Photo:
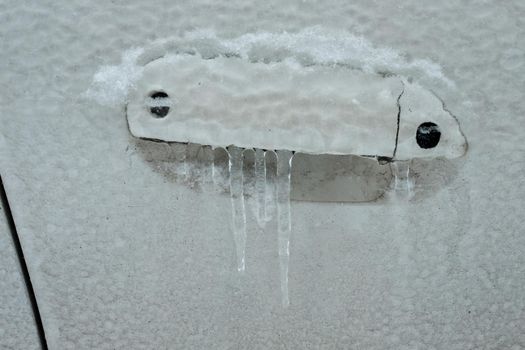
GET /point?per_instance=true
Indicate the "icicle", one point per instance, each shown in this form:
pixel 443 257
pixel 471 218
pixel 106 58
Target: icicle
pixel 193 167
pixel 402 179
pixel 260 186
pixel 238 208
pixel 284 226
pixel 181 168
pixel 219 170
pixel 207 166
pixel 214 173
pixel 270 196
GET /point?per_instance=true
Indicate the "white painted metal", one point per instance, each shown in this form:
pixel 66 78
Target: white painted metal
pixel 17 324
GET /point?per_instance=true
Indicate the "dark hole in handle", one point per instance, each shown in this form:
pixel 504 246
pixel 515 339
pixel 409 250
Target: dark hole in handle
pixel 159 111
pixel 428 135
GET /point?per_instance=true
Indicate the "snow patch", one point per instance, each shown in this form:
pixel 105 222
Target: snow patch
pixel 111 84
pixel 325 46
pixel 314 45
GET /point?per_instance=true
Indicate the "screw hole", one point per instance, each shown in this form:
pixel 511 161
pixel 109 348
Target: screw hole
pixel 428 135
pixel 159 104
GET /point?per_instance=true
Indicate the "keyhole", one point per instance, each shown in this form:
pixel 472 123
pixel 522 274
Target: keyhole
pixel 428 135
pixel 159 106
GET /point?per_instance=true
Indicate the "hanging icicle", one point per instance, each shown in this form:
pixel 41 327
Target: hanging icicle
pixel 238 207
pixel 284 225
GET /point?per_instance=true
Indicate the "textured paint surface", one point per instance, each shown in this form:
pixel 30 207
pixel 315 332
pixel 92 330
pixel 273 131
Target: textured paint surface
pixel 122 258
pixel 17 325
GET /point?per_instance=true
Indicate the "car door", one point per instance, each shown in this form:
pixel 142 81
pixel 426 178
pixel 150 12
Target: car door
pixel 124 252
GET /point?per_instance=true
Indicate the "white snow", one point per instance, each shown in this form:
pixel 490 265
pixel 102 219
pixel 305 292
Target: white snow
pixel 328 46
pixel 313 45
